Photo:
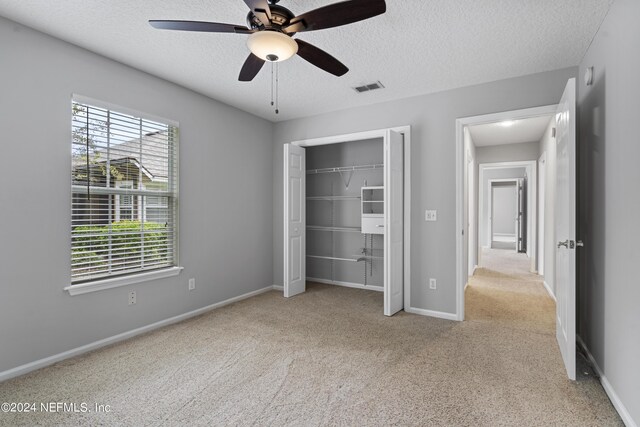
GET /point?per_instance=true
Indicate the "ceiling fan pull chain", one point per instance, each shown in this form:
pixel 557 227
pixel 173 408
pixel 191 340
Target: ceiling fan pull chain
pixel 277 85
pixel 272 84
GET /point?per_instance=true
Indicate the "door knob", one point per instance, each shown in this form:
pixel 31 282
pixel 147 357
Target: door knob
pixel 579 243
pixel 565 244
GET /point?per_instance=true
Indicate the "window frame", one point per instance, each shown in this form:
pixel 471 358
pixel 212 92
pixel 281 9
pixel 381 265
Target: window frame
pixel 101 283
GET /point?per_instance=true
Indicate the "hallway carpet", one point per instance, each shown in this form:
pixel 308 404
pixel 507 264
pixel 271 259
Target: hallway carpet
pixel 329 357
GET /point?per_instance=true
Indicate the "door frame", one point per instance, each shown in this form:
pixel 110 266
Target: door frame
pixel 542 188
pixel 461 229
pixel 380 133
pixel 531 173
pixel 513 181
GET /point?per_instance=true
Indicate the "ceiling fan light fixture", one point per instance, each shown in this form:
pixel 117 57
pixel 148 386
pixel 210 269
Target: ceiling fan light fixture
pixel 272 46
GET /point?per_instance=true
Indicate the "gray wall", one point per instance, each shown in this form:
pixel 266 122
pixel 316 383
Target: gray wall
pixel 609 202
pixel 508 152
pixel 225 198
pixel 504 209
pixel 432 118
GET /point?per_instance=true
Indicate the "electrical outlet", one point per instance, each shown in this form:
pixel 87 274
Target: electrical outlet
pixel 432 283
pixel 192 283
pixel 430 215
pixel 132 297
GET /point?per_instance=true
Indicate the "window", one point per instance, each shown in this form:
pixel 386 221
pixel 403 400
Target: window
pixel 124 193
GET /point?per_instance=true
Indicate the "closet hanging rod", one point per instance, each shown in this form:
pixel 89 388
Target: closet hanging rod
pixel 345 169
pixel 332 258
pixel 334 198
pixel 345 229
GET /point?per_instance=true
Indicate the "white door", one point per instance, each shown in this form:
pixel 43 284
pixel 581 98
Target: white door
pixel 294 220
pixel 393 223
pixel 565 215
pixel 520 219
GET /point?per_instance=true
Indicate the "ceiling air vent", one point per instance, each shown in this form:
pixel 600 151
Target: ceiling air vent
pixel 368 87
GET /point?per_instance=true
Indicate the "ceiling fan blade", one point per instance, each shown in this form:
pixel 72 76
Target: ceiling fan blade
pixel 320 58
pixel 336 14
pixel 207 27
pixel 251 67
pixel 261 9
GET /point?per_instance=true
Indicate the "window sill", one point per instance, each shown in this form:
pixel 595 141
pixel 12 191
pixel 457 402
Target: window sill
pixel 116 282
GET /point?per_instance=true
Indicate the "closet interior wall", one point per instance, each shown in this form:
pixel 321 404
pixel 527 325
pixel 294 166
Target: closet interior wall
pixel 337 250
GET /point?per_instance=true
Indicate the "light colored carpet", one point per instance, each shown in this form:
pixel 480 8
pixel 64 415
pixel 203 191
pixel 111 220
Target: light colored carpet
pixel 328 357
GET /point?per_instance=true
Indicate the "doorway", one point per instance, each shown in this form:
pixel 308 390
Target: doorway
pixel 505 215
pixel 481 188
pixel 383 211
pixel 559 141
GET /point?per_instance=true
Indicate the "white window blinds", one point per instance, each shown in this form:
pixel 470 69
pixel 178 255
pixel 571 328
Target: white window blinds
pixel 124 188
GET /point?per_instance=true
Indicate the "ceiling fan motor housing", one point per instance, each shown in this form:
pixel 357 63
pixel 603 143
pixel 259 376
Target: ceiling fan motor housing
pixel 280 17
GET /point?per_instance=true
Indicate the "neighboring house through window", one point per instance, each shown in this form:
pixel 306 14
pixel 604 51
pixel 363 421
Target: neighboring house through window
pixel 124 192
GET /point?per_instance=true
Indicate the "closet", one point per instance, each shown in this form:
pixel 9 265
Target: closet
pixel 343 212
pixel 344 187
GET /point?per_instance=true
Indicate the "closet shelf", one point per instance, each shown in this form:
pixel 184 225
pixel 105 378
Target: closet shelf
pixel 344 229
pixel 333 258
pixel 334 198
pixel 345 169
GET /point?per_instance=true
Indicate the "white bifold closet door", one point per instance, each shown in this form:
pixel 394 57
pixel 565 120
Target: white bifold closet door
pixel 393 223
pixel 294 220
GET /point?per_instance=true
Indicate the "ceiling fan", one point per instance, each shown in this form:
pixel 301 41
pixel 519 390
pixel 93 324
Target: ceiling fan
pixel 271 27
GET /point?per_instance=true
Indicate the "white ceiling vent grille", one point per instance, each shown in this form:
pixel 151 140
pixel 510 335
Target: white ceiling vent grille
pixel 368 87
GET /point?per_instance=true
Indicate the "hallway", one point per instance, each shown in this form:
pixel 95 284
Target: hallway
pixel 512 306
pixel 504 290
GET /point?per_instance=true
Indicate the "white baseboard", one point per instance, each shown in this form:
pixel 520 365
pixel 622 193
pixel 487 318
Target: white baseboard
pixel 346 284
pixel 608 388
pixel 41 363
pixel 431 313
pixel 549 291
pixel 278 288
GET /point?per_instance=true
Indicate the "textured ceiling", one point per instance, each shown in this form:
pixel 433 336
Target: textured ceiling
pixel 525 130
pixel 417 47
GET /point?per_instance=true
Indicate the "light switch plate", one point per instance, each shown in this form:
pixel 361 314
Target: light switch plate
pixel 430 215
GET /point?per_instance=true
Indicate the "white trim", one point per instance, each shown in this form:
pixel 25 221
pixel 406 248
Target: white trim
pixel 608 388
pixel 459 164
pixel 549 291
pixel 380 133
pixel 41 363
pixel 345 284
pixel 532 202
pixel 338 139
pixel 120 109
pixel 432 313
pixel 115 282
pixel 542 188
pixel 278 288
pixel 490 232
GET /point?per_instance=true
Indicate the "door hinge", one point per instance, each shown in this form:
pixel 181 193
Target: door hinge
pixel 553 132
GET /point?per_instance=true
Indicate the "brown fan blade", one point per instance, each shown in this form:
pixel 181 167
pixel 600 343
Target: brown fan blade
pixel 321 59
pixel 251 67
pixel 207 27
pixel 336 14
pixel 261 9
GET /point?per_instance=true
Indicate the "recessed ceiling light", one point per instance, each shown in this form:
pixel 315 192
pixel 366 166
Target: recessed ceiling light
pixel 507 123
